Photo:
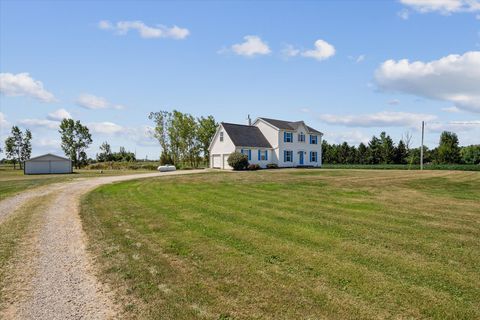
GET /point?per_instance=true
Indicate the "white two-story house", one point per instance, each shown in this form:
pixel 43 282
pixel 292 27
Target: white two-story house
pixel 285 143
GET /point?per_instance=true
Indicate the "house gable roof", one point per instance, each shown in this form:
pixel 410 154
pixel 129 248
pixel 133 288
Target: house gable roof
pixel 246 136
pixel 289 125
pixel 48 155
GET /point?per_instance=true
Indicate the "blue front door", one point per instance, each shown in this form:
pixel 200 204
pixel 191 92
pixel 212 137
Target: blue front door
pixel 300 154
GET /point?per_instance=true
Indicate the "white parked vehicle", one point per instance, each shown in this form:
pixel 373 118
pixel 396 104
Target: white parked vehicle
pixel 166 168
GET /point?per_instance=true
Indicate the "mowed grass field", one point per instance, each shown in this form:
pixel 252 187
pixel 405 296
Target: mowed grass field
pixel 291 244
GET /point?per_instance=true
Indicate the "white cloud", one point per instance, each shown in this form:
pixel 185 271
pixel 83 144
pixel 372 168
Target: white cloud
pixel 323 50
pixel 290 51
pixel 351 137
pixel 305 110
pixel 451 109
pixel 404 14
pixel 455 126
pixel 394 102
pixel 360 58
pixel 252 46
pixel 379 119
pixel 106 127
pixel 59 115
pixel 21 84
pixel 89 101
pixel 158 31
pixel 49 124
pixel 3 121
pixel 43 142
pixel 443 6
pixel 454 78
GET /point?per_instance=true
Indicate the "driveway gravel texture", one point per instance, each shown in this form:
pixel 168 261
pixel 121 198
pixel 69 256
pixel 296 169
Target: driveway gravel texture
pixel 59 280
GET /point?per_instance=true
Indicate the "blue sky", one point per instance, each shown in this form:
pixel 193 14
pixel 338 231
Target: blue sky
pixel 339 66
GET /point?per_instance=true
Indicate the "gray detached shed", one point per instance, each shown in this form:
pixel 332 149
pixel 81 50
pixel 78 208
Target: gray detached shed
pixel 46 164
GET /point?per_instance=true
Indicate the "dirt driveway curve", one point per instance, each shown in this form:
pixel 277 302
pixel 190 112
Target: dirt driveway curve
pixel 62 284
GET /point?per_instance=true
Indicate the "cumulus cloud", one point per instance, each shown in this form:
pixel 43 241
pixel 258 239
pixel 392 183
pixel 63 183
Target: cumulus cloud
pixel 59 115
pixel 451 109
pixel 443 6
pixel 404 14
pixel 379 119
pixel 351 137
pixel 455 126
pixel 108 128
pixel 3 121
pixel 45 123
pixel 21 84
pixel 145 31
pixel 44 142
pixel 323 50
pixel 454 78
pixel 290 51
pixel 252 46
pixel 90 101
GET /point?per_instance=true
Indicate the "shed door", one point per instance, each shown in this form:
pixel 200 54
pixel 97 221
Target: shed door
pixel 38 167
pixel 217 161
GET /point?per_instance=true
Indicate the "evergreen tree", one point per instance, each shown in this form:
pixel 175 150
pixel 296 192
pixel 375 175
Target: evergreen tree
pixel 401 153
pixel 387 148
pixel 374 151
pixel 362 153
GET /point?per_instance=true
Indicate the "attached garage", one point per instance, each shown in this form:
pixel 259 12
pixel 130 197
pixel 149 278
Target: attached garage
pixel 47 164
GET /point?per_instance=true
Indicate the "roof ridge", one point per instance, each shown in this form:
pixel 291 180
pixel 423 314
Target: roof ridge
pixel 237 124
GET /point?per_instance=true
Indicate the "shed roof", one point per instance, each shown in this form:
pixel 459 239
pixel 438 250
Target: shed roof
pixel 39 158
pixel 288 125
pixel 246 136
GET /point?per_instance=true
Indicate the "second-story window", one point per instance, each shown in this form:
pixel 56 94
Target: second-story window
pixel 221 136
pixel 313 139
pixel 301 137
pixel 287 137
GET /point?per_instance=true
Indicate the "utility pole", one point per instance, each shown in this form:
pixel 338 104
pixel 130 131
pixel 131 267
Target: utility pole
pixel 421 148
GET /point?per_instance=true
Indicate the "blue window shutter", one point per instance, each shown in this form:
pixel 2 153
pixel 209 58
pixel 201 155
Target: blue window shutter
pixel 284 136
pixel 284 155
pixel 259 155
pixel 310 152
pixel 266 154
pixel 311 139
pixel 249 154
pixel 241 151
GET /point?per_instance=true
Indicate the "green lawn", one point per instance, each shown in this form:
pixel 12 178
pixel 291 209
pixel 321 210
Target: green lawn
pixel 291 244
pixel 14 181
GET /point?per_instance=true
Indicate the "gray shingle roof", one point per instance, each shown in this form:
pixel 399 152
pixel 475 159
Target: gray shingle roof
pixel 246 136
pixel 288 125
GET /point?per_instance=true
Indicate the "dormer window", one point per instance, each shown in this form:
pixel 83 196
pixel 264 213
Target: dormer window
pixel 221 136
pixel 301 137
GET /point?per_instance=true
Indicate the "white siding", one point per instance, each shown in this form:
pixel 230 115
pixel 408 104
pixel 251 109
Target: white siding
pixel 221 149
pixel 254 159
pixel 297 147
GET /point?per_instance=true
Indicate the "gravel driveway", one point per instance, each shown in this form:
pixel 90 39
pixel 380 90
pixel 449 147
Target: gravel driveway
pixel 62 284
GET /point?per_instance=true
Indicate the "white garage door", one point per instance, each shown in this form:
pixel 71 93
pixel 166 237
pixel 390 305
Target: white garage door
pixel 225 162
pixel 217 161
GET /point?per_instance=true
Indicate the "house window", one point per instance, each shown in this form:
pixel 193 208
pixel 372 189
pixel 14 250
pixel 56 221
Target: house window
pixel 313 156
pixel 288 156
pixel 301 137
pixel 262 155
pixel 221 136
pixel 287 137
pixel 313 139
pixel 248 153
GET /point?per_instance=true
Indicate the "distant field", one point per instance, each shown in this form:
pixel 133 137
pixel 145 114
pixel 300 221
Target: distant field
pixel 14 181
pixel 291 244
pixel 460 167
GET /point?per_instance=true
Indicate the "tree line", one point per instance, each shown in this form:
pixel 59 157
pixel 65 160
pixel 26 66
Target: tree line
pixel 183 138
pixel 382 150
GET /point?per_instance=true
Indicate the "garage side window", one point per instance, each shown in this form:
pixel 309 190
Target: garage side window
pixel 221 136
